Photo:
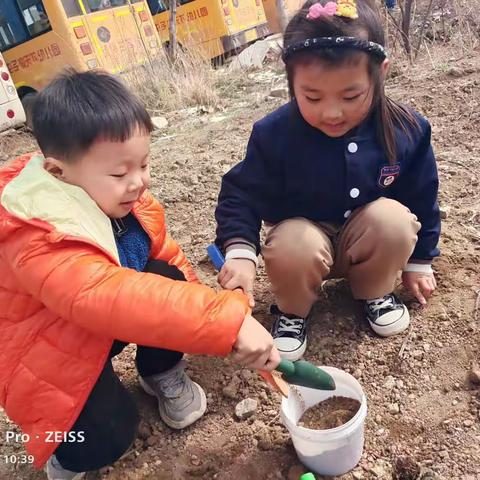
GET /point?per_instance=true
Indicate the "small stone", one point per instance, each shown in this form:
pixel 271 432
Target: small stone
pixel 152 440
pixel 246 408
pixel 279 92
pixel 389 383
pixel 428 475
pixel 406 469
pixel 159 122
pixel 217 119
pixel 144 430
pixel 230 392
pixel 455 72
pixel 400 384
pixel 394 408
pixel 417 354
pixel 295 472
pixel 195 461
pixel 379 471
pixel 468 423
pixel 455 402
pixel 444 454
pixel 426 347
pixel 474 375
pixel 378 418
pixel 444 212
pixel 358 475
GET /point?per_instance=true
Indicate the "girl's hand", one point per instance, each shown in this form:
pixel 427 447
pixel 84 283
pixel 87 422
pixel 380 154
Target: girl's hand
pixel 421 285
pixel 238 273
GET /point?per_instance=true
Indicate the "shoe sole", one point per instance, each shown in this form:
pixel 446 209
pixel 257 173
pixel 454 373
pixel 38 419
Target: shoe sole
pixel 393 328
pixel 295 354
pixel 79 475
pixel 192 418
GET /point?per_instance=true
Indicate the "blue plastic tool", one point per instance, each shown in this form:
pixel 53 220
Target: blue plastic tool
pixel 216 256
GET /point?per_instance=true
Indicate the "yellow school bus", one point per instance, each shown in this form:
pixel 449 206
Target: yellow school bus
pixel 270 7
pixel 213 27
pixel 11 110
pixel 39 38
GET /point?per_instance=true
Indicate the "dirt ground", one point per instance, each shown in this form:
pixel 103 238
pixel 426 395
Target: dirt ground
pixel 424 413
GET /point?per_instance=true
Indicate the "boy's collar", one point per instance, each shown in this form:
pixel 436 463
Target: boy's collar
pixel 35 194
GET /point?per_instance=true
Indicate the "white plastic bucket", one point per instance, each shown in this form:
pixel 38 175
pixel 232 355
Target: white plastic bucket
pixel 328 452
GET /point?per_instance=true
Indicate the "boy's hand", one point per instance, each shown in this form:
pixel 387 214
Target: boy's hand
pixel 238 273
pixel 421 285
pixel 254 347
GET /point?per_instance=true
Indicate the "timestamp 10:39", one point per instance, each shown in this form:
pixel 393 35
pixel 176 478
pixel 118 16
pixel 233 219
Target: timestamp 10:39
pixel 18 458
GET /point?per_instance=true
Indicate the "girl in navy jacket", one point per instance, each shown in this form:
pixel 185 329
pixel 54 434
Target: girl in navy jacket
pixel 342 177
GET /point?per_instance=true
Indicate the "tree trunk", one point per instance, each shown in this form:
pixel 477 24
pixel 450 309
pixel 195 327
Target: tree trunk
pixel 172 28
pixel 406 22
pixel 281 14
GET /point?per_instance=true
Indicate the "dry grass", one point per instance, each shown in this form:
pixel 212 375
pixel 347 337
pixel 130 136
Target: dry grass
pixel 163 85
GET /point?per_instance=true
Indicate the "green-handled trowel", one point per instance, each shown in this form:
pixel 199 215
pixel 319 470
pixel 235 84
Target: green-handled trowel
pixel 305 374
pixel 301 373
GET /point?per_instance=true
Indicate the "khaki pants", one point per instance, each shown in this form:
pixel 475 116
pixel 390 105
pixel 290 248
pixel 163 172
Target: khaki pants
pixel 369 250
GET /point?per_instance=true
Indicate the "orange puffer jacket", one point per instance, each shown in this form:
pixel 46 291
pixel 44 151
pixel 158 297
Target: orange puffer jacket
pixel 64 298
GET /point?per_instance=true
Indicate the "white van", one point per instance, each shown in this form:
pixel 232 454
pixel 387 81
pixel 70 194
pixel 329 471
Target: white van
pixel 11 109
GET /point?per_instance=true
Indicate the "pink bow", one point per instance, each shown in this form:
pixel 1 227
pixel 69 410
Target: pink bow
pixel 317 10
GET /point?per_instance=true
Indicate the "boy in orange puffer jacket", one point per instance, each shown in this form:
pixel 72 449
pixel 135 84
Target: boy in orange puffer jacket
pixel 86 267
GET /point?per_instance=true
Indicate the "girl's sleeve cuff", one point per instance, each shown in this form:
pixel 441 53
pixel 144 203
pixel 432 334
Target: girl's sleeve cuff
pixel 418 267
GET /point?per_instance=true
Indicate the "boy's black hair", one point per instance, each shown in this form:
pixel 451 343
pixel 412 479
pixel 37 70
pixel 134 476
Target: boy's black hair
pixel 78 108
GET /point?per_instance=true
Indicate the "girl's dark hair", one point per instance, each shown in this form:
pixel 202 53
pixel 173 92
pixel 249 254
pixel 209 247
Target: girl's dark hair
pixel 77 109
pixel 389 114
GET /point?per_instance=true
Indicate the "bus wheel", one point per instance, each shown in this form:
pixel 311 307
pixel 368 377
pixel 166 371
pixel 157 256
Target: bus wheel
pixel 27 101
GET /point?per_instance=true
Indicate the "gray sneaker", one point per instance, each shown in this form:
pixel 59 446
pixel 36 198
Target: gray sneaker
pixel 55 471
pixel 180 400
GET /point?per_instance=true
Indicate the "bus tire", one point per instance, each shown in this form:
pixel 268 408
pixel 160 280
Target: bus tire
pixel 28 101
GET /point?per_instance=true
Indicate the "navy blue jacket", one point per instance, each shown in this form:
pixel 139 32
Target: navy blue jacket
pixel 292 169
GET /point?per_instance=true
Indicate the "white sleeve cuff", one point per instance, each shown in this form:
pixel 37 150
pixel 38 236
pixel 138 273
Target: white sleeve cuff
pixel 242 253
pixel 418 267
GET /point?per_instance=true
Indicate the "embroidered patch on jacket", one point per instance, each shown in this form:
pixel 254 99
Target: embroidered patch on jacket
pixel 388 174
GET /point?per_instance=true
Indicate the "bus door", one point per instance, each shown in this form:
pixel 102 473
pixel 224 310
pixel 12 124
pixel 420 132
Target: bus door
pixel 146 27
pixel 11 110
pixel 291 7
pixel 201 22
pixel 115 34
pixel 245 16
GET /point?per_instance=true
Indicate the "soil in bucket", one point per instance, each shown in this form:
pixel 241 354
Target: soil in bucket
pixel 331 413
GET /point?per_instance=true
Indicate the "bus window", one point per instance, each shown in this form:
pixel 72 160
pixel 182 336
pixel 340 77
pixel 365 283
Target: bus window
pixel 21 20
pixel 34 16
pixel 157 6
pixel 71 7
pixel 97 5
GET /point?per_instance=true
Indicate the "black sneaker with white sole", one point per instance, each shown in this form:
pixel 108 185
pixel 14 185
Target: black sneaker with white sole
pixel 387 315
pixel 289 333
